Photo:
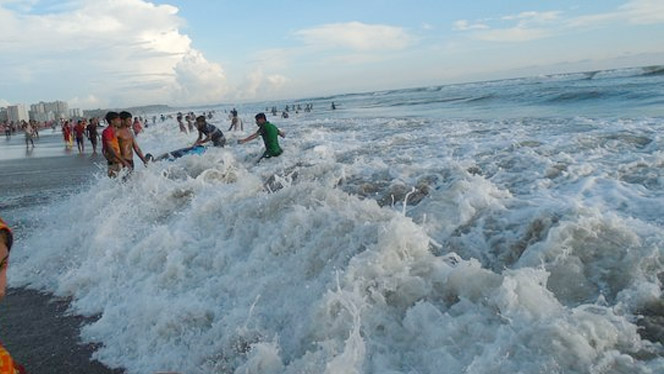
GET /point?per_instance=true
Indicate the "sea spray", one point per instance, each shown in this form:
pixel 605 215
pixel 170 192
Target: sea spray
pixel 532 242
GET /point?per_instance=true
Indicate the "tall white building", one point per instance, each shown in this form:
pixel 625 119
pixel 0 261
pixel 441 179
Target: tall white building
pixel 75 113
pixel 17 113
pixel 49 111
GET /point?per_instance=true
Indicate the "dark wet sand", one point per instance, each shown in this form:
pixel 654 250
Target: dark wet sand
pixel 35 327
pixel 40 335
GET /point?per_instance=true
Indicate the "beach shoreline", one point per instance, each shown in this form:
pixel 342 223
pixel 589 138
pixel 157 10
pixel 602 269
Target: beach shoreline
pixel 40 333
pixel 36 327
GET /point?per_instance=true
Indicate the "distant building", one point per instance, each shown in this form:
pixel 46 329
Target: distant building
pixel 17 113
pixel 49 111
pixel 3 115
pixel 75 113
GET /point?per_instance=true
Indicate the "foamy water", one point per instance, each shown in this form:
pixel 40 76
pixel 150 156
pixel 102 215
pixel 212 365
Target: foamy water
pixel 527 243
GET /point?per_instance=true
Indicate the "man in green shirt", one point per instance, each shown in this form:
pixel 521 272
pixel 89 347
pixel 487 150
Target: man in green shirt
pixel 269 134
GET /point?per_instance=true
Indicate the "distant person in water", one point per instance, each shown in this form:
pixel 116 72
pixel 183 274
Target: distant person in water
pixel 128 144
pixel 181 123
pixel 333 106
pixel 190 118
pixel 269 133
pixel 29 134
pixel 91 132
pixel 235 121
pixel 35 128
pixel 7 364
pixel 66 134
pixel 208 132
pixel 136 126
pixel 79 131
pixel 110 147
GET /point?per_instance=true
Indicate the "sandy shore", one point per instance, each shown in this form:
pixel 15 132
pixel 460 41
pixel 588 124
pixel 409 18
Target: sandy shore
pixel 35 327
pixel 39 334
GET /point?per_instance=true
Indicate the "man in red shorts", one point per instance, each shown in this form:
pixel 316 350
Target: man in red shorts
pixel 111 147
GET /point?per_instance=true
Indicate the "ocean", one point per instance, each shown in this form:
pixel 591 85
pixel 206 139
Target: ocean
pixel 509 226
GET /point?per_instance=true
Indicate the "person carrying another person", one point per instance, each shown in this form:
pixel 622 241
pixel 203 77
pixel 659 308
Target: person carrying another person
pixel 128 144
pixel 110 147
pixel 7 364
pixel 208 132
pixel 269 134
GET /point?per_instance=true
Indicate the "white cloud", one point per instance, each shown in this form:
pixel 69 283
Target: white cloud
pixel 276 81
pixel 356 36
pixel 514 35
pixel 643 11
pixel 532 25
pixel 90 101
pixel 534 17
pixel 356 59
pixel 198 81
pixel 529 26
pixel 464 25
pixel 129 52
pixel 257 82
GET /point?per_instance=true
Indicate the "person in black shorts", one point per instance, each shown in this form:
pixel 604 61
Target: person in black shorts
pixel 91 132
pixel 208 132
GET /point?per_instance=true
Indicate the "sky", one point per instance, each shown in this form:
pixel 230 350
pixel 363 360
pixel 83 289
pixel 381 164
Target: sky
pixel 125 53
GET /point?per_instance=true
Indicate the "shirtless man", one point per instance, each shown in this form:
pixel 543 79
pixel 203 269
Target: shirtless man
pixel 92 133
pixel 128 144
pixel 29 133
pixel 110 145
pixel 79 130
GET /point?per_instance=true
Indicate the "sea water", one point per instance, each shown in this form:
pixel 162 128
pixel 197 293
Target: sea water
pixel 494 227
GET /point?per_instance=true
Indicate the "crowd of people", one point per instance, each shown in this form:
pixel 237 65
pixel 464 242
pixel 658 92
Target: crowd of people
pixel 119 144
pixel 118 138
pixel 288 108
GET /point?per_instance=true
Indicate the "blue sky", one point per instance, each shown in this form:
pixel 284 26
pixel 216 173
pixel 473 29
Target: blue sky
pixel 114 53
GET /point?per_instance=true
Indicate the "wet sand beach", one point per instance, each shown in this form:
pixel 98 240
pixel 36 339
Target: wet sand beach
pixel 39 333
pixel 35 327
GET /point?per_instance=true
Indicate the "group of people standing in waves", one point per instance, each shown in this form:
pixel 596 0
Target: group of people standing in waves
pixel 88 129
pixel 119 144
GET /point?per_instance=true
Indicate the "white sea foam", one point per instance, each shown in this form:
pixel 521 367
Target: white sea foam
pixel 528 246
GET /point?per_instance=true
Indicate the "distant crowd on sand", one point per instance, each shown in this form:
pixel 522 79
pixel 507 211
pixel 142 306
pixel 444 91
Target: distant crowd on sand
pixel 77 130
